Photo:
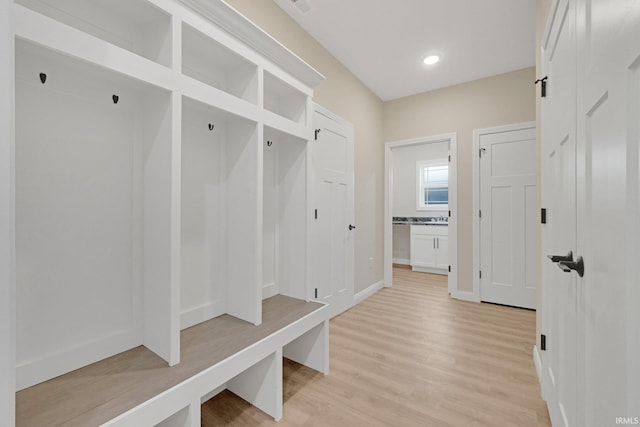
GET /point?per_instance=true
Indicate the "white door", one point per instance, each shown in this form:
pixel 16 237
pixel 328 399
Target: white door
pixel 442 245
pixel 559 232
pixel 591 134
pixel 423 251
pixel 608 220
pixel 333 228
pixel 507 216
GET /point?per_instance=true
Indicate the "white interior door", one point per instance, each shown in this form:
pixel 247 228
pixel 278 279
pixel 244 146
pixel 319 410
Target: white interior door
pixel 507 216
pixel 591 185
pixel 333 227
pixel 559 232
pixel 608 234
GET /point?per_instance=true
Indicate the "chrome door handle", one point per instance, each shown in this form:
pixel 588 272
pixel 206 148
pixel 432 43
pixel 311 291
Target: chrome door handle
pixel 558 258
pixel 577 266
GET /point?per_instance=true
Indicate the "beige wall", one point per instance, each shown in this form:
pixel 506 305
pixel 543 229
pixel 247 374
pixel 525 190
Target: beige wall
pixel 494 101
pixel 343 94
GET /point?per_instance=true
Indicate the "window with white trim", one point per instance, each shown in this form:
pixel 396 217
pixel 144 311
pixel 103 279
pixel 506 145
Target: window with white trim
pixel 433 185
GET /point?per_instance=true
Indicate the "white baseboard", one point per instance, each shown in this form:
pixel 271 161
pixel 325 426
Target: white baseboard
pixel 401 261
pixel 269 290
pixel 429 270
pixel 193 316
pixel 50 366
pixel 537 361
pixel 366 293
pixel 465 296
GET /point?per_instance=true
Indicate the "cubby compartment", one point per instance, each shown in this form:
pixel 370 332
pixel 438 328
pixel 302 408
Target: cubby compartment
pixel 220 210
pixel 284 215
pixel 182 418
pixel 284 100
pixel 210 62
pixel 135 25
pixel 93 215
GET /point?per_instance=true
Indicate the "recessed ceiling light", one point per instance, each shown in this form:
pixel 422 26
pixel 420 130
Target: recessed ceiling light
pixel 431 59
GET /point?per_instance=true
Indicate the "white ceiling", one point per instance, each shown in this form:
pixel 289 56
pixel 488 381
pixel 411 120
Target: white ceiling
pixel 383 42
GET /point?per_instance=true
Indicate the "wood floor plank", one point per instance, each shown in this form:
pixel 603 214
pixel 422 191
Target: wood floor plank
pixel 411 356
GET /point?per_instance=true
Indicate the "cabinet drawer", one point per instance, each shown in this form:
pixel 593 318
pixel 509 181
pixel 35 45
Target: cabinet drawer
pixel 431 230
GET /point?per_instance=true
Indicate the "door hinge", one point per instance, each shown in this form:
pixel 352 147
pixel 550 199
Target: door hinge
pixel 316 293
pixel 543 86
pixel 317 131
pixel 449 158
pixel 449 269
pixel 449 214
pixel 480 273
pixel 316 214
pixel 543 216
pixel 479 213
pixel 543 342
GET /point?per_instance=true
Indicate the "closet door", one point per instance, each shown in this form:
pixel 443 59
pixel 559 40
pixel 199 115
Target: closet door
pixel 559 198
pixel 333 229
pixel 608 110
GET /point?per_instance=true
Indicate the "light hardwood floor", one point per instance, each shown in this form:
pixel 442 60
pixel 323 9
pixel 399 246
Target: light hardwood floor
pixel 411 356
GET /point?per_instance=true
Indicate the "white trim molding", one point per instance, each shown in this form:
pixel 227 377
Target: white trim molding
pixel 537 361
pixel 366 293
pixel 452 139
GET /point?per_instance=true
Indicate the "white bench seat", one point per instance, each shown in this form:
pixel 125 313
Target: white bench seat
pixel 137 388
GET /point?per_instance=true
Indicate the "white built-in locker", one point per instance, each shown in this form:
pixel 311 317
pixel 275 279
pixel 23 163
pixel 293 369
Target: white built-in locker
pixel 161 176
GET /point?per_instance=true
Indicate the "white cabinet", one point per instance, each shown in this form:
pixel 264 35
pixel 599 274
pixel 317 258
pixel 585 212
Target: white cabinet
pixel 146 198
pixel 429 248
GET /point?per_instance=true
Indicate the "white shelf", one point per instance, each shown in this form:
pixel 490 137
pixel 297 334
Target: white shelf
pixel 92 215
pixel 219 215
pixel 283 99
pixel 43 30
pixel 135 25
pixel 210 62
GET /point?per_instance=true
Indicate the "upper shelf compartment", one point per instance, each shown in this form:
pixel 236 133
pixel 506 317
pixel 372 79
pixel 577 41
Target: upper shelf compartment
pixel 134 25
pixel 208 61
pixel 284 100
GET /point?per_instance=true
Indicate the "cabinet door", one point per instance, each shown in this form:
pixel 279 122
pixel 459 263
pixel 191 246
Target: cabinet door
pixel 442 245
pixel 423 251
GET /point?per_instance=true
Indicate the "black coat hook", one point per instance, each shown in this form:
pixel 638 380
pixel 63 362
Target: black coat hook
pixel 269 143
pixel 43 77
pixel 211 126
pixel 115 98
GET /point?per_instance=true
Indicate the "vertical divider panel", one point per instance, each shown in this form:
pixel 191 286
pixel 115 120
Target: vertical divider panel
pixel 244 224
pixel 261 385
pixel 311 349
pixel 159 272
pixel 269 219
pixel 176 29
pixel 308 292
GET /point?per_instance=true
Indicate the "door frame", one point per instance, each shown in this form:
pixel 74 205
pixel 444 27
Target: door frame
pixel 452 139
pixel 477 134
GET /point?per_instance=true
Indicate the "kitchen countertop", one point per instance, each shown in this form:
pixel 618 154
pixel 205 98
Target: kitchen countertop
pixel 401 220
